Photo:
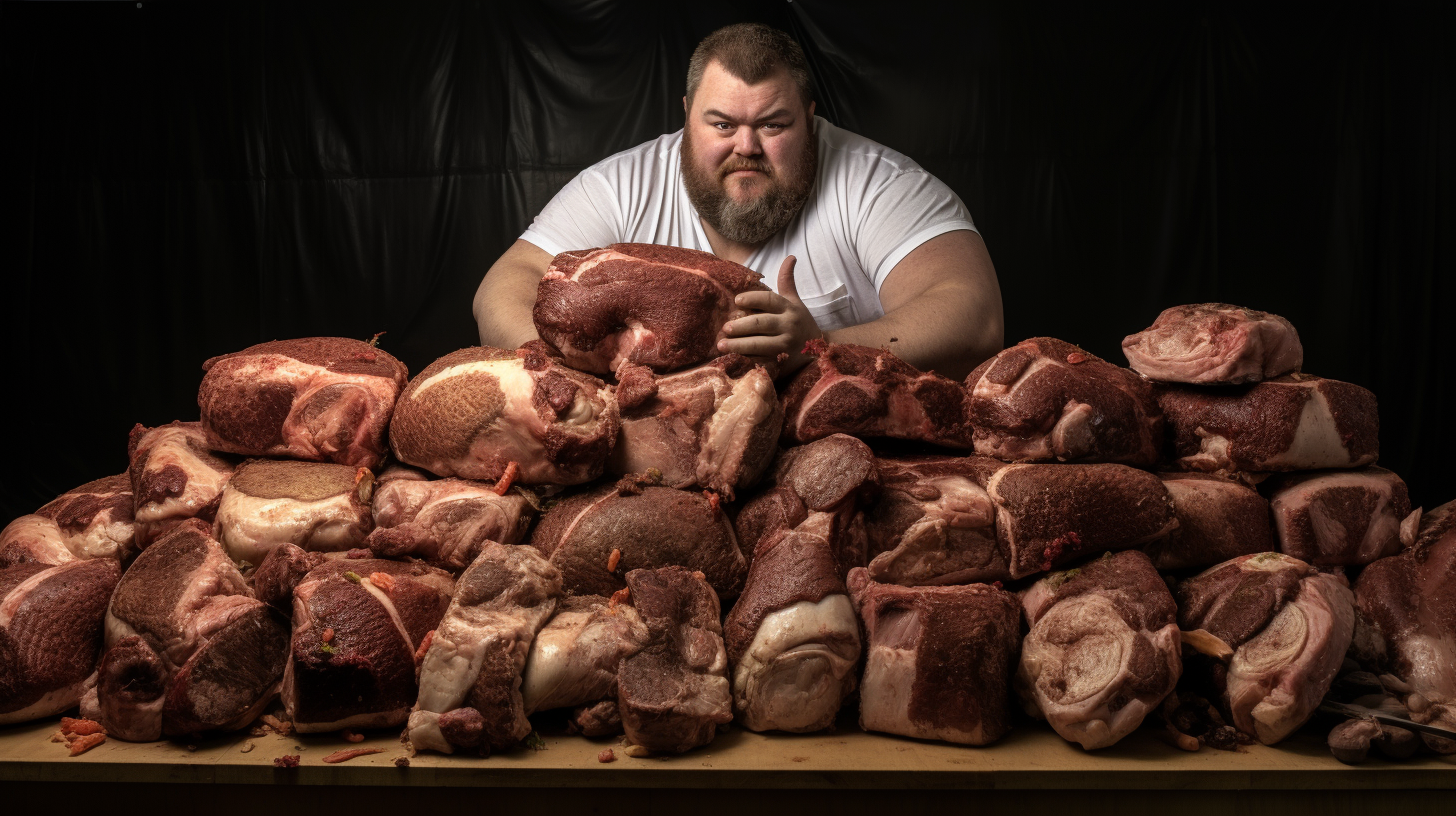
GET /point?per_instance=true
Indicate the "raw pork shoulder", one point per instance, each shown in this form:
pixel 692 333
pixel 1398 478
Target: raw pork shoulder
pixel 444 522
pixel 324 399
pixel 1048 399
pixel 1338 518
pixel 91 521
pixel 659 306
pixel 574 660
pixel 488 413
pixel 308 504
pixel 1214 343
pixel 870 392
pixel 715 426
pixel 174 477
pixel 934 524
pixel 1218 519
pixel 1103 650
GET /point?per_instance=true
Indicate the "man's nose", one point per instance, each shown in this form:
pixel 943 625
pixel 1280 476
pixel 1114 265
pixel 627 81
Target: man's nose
pixel 746 142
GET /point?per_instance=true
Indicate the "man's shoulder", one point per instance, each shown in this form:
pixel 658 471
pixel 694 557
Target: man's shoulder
pixel 849 152
pixel 655 154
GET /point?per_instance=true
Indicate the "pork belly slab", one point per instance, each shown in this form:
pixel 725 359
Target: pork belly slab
pixel 91 521
pixel 1214 343
pixel 1103 649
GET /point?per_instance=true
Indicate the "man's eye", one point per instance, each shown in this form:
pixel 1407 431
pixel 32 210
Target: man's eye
pixel 722 126
pixel 773 126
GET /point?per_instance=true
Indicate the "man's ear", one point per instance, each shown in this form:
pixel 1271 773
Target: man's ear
pixel 811 111
pixel 685 106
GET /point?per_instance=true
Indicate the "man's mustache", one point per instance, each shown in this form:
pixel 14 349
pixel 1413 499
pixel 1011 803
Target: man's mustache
pixel 736 163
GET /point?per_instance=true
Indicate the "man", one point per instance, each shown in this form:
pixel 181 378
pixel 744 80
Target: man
pixel 860 243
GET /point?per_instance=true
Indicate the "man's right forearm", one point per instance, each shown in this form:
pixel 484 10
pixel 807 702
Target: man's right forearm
pixel 506 297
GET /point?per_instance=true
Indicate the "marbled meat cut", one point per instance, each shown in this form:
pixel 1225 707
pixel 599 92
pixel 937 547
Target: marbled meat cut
pixel 934 523
pixel 1294 422
pixel 715 425
pixel 174 477
pixel 445 522
pixel 659 306
pixel 938 660
pixel 870 392
pixel 1103 650
pixel 574 659
pixel 674 693
pixel 1046 399
pixel 1288 626
pixel 51 628
pixel 1051 515
pixel 488 413
pixel 312 505
pixel 792 637
pixel 189 649
pixel 323 399
pixel 1214 343
pixel 1218 519
pixel 1406 622
pixel 90 521
pixel 470 679
pixel 1339 517
pixel 647 527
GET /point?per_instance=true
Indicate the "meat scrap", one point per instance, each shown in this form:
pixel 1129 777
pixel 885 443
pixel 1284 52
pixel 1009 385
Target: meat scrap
pixel 82 744
pixel 350 753
pixel 286 761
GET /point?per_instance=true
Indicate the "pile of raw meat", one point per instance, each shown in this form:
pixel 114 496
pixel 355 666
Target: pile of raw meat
pixel 616 531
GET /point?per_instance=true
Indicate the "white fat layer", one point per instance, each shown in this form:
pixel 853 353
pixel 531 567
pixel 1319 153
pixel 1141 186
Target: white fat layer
pixel 790 678
pixel 1432 659
pixel 1074 434
pixel 1331 538
pixel 1316 441
pixel 511 374
pixel 423 733
pixel 1213 452
pixel 10 604
pixel 169 447
pixel 963 504
pixel 251 527
pixel 50 704
pixel 726 436
pixel 215 595
pixel 40 537
pixel 985 389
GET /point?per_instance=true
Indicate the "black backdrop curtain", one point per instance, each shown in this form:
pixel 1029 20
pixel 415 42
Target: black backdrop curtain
pixel 184 179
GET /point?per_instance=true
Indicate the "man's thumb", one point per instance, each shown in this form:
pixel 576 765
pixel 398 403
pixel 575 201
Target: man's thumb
pixel 787 287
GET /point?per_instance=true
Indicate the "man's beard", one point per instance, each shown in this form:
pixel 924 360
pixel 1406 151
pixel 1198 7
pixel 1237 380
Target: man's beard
pixel 756 220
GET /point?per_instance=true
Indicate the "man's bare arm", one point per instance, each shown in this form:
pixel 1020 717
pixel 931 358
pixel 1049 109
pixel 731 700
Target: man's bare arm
pixel 507 295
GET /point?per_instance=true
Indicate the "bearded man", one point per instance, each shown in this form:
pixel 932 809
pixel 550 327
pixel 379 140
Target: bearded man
pixel 868 248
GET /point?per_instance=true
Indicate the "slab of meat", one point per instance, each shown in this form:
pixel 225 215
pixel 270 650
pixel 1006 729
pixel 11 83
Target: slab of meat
pixel 934 523
pixel 1046 399
pixel 574 659
pixel 1338 518
pixel 1218 519
pixel 189 649
pixel 792 637
pixel 870 392
pixel 1103 649
pixel 323 399
pixel 1288 626
pixel 1406 622
pixel 357 623
pixel 1051 515
pixel 50 633
pixel 673 694
pixel 715 426
pixel 312 505
pixel 939 660
pixel 658 306
pixel 483 413
pixel 1294 422
pixel 90 521
pixel 174 477
pixel 445 522
pixel 1214 343
pixel 470 680
pixel 647 527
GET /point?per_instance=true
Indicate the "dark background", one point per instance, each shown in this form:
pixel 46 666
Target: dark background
pixel 186 179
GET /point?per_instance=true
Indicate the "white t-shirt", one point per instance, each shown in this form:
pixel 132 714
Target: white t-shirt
pixel 869 208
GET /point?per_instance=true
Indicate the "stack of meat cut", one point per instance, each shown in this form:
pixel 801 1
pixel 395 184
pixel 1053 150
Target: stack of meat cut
pixel 614 530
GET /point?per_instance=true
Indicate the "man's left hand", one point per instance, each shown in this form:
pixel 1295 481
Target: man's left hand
pixel 781 324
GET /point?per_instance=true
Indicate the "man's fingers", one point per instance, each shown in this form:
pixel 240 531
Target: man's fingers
pixel 755 346
pixel 761 302
pixel 787 287
pixel 753 324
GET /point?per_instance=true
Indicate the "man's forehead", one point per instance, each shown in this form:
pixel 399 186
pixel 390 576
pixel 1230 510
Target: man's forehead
pixel 727 94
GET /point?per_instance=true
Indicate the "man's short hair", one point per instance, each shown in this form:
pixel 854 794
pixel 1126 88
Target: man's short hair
pixel 751 52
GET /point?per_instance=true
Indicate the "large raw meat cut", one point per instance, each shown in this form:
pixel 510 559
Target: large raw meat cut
pixel 357 625
pixel 574 659
pixel 488 413
pixel 470 679
pixel 870 392
pixel 1338 518
pixel 174 477
pixel 1045 399
pixel 51 629
pixel 1406 622
pixel 1214 343
pixel 1218 519
pixel 1103 650
pixel 312 505
pixel 90 521
pixel 646 527
pixel 792 637
pixel 659 306
pixel 674 693
pixel 1294 422
pixel 324 399
pixel 1288 626
pixel 934 523
pixel 938 660
pixel 715 426
pixel 189 649
pixel 445 522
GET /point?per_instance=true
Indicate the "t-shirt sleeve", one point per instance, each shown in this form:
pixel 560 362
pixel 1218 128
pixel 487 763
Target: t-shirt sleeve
pixel 584 214
pixel 909 209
